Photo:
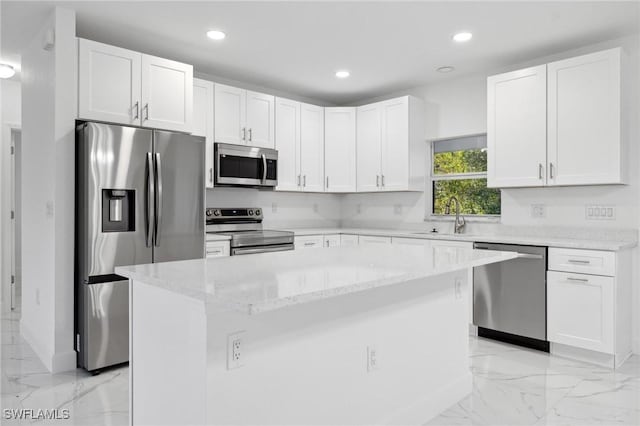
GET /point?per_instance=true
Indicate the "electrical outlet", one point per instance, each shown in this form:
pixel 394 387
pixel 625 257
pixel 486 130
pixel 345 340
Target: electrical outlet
pixel 358 208
pixel 235 350
pixel 397 209
pixel 600 212
pixel 538 211
pixel 372 359
pixel 274 207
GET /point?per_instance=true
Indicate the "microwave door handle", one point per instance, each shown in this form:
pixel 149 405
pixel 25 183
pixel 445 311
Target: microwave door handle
pixel 150 199
pixel 264 168
pixel 158 224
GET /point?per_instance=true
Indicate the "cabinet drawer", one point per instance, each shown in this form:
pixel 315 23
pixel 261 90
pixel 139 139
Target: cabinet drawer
pixel 582 261
pixel 348 240
pixel 217 248
pixel 367 239
pixel 332 240
pixel 309 241
pixel 580 310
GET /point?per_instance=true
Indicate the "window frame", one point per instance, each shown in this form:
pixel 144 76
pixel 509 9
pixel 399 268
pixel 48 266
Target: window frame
pixel 433 177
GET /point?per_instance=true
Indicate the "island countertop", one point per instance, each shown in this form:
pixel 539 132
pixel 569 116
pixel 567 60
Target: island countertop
pixel 264 282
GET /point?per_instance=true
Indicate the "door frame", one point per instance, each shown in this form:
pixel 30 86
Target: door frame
pixel 7 180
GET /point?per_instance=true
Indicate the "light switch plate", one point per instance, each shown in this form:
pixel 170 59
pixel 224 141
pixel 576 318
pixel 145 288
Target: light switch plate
pixel 600 212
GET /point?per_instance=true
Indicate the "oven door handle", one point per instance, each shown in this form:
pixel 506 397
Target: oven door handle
pixel 239 251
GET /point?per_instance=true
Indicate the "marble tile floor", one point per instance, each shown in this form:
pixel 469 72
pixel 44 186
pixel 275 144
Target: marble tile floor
pixel 511 386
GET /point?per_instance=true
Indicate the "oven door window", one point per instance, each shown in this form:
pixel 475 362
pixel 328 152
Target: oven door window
pixel 232 166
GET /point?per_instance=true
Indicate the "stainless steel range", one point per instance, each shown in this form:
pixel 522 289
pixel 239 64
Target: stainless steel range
pixel 244 226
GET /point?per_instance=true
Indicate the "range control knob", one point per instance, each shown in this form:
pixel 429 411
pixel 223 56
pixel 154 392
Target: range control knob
pixel 258 212
pixel 209 212
pixel 216 212
pixel 250 212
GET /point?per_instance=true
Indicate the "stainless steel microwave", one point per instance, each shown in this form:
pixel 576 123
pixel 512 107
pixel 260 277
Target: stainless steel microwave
pixel 239 165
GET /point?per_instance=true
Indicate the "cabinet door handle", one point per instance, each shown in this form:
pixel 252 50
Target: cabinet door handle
pixel 550 170
pixel 378 180
pixel 309 244
pixel 298 180
pixel 581 262
pixel 582 280
pixel 327 182
pixel 137 108
pixel 146 111
pixel 211 175
pixel 540 171
pixel 383 181
pixel 244 133
pixel 250 135
pixel 304 180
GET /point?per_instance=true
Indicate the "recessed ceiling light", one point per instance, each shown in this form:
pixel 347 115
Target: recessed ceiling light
pixel 6 71
pixel 445 69
pixel 216 35
pixel 462 37
pixel 343 74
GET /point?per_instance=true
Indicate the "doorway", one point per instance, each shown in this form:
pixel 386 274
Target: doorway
pixel 16 222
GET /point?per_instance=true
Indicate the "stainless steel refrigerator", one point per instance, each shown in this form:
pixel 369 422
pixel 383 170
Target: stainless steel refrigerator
pixel 139 199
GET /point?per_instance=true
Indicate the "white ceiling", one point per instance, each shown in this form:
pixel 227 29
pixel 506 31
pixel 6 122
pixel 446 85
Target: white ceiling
pixel 297 46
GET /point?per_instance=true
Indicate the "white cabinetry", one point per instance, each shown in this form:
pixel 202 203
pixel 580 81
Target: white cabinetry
pixel 244 117
pixel 122 86
pixel 312 147
pixel 390 146
pixel 309 241
pixel 410 241
pixel 340 149
pixel 332 240
pixel 348 240
pixel 557 124
pixel 588 304
pixel 203 122
pixel 370 239
pixel 300 145
pixel 217 248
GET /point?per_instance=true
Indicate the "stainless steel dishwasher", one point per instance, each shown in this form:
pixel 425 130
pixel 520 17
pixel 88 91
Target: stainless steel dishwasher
pixel 510 298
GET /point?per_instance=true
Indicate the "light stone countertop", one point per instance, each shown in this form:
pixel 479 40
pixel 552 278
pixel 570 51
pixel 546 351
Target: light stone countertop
pixel 564 242
pixel 269 281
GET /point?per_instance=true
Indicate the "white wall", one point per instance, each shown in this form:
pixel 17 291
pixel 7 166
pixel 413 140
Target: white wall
pixel 282 209
pixel 49 105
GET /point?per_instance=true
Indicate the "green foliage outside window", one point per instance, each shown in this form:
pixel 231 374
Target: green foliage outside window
pixel 475 198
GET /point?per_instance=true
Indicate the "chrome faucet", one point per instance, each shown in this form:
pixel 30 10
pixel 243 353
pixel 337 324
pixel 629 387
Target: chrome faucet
pixel 459 224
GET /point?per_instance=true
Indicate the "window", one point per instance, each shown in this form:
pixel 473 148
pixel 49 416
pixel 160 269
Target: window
pixel 460 170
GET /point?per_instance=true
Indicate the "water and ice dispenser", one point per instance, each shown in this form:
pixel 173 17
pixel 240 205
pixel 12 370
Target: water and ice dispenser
pixel 118 210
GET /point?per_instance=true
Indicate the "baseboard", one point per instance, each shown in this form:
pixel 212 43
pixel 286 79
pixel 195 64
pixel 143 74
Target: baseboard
pixel 56 362
pixel 432 405
pixel 584 355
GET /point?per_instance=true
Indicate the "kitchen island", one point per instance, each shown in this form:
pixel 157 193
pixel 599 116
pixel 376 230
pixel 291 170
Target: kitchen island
pixel 348 335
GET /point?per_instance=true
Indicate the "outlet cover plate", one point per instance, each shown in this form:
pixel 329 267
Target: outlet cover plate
pixel 235 350
pixel 538 211
pixel 600 212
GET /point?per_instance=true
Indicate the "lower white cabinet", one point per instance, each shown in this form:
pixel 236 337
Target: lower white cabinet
pixel 309 241
pixel 589 304
pixel 348 240
pixel 580 310
pixel 332 240
pixel 369 239
pixel 217 248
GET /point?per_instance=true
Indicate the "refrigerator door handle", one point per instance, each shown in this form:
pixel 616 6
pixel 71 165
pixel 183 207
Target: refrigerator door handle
pixel 150 199
pixel 158 205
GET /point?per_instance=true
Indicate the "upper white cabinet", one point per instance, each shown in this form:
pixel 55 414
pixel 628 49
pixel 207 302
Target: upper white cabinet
pixel 203 122
pixel 390 146
pixel 556 124
pixel 584 145
pixel 300 145
pixel 312 147
pixel 122 86
pixel 288 144
pixel 340 149
pixel 516 128
pixel 243 117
